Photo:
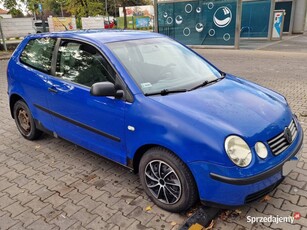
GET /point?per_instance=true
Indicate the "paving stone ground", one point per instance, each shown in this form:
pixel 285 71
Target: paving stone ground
pixel 53 184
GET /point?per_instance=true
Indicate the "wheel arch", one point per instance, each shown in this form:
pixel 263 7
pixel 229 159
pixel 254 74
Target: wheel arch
pixel 142 150
pixel 13 99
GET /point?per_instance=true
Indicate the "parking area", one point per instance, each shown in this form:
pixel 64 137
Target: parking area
pixel 53 184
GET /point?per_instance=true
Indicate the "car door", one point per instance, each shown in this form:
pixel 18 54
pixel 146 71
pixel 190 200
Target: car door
pixel 96 123
pixel 32 72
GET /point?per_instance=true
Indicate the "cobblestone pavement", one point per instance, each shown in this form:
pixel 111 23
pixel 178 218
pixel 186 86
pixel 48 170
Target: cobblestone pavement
pixel 53 184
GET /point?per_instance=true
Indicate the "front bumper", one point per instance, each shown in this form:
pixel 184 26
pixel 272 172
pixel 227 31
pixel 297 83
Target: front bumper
pixel 216 188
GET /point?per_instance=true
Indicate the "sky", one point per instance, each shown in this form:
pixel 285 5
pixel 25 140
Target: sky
pixel 1 6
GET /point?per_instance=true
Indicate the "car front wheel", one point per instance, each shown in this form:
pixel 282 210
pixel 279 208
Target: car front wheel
pixel 25 122
pixel 167 180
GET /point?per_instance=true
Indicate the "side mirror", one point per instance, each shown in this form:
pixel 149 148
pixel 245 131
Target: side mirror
pixel 106 88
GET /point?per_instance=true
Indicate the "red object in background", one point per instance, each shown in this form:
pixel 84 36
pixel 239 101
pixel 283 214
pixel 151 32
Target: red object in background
pixel 108 25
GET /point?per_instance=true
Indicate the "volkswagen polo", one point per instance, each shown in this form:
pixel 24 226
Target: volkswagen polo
pixel 191 131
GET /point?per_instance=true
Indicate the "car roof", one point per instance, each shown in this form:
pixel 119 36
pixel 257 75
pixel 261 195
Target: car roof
pixel 102 35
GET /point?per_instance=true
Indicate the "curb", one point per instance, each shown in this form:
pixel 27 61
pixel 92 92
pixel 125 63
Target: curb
pixel 5 57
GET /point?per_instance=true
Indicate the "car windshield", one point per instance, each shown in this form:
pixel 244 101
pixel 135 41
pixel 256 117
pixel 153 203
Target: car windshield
pixel 163 65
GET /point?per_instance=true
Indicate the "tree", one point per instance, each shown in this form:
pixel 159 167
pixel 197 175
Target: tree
pixel 9 4
pixel 13 6
pixel 51 7
pixel 85 8
pixel 16 13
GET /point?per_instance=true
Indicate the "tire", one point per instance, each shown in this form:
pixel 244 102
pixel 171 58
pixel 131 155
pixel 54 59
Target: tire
pixel 174 188
pixel 25 122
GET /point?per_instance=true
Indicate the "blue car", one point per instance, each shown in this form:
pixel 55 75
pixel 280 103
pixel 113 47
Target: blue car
pixel 191 131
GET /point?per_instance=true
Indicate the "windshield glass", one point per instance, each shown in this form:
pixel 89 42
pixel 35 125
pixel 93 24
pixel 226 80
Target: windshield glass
pixel 162 64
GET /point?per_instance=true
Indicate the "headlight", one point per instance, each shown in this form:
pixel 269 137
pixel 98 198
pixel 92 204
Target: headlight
pixel 238 151
pixel 261 150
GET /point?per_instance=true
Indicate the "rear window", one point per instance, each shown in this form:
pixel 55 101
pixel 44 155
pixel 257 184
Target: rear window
pixel 38 54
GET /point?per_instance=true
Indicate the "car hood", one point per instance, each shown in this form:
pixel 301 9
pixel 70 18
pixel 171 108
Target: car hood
pixel 232 106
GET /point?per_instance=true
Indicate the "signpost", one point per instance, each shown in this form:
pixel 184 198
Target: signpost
pixel 40 7
pixel 278 24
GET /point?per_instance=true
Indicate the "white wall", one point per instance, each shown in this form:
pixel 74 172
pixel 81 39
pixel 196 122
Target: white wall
pixel 5 16
pixel 299 16
pixel 16 27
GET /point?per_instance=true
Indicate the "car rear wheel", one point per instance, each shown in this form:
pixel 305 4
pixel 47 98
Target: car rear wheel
pixel 25 122
pixel 167 180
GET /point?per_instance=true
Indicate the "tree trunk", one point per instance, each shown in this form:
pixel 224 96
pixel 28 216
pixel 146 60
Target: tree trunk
pixel 125 17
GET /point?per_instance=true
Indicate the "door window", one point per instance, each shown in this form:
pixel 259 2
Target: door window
pixel 38 54
pixel 83 64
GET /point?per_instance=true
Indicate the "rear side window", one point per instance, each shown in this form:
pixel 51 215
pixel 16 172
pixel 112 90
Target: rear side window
pixel 38 54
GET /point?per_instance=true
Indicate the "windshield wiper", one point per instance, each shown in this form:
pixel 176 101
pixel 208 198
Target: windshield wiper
pixel 223 75
pixel 164 92
pixel 207 82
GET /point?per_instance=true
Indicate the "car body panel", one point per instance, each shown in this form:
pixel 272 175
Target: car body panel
pixel 30 84
pixel 102 113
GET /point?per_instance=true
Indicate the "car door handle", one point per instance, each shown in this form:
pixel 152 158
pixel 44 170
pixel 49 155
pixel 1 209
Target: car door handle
pixel 52 89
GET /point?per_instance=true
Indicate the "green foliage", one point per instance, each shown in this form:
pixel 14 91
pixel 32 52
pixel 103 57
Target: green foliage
pixel 78 23
pixel 85 8
pixel 9 4
pixel 53 7
pixel 16 13
pixel 79 8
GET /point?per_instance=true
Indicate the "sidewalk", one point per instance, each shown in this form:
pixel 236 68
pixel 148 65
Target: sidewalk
pixel 290 43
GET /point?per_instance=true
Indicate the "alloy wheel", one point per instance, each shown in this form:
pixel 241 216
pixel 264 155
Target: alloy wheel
pixel 162 181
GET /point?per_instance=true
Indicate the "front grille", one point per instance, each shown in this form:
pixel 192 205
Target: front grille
pixel 260 194
pixel 281 142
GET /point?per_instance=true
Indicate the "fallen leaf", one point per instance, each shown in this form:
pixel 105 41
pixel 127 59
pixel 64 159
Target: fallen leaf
pixel 266 198
pixel 189 214
pixel 210 225
pixel 224 215
pixel 148 208
pixel 173 223
pixel 196 226
pixel 238 211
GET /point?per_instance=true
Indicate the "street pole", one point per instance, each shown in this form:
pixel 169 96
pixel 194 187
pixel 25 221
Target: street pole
pixel 40 7
pixel 62 10
pixel 156 16
pixel 106 3
pixel 3 39
pixel 238 24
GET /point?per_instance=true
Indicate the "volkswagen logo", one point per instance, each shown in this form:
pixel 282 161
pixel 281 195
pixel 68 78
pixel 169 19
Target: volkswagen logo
pixel 222 17
pixel 288 135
